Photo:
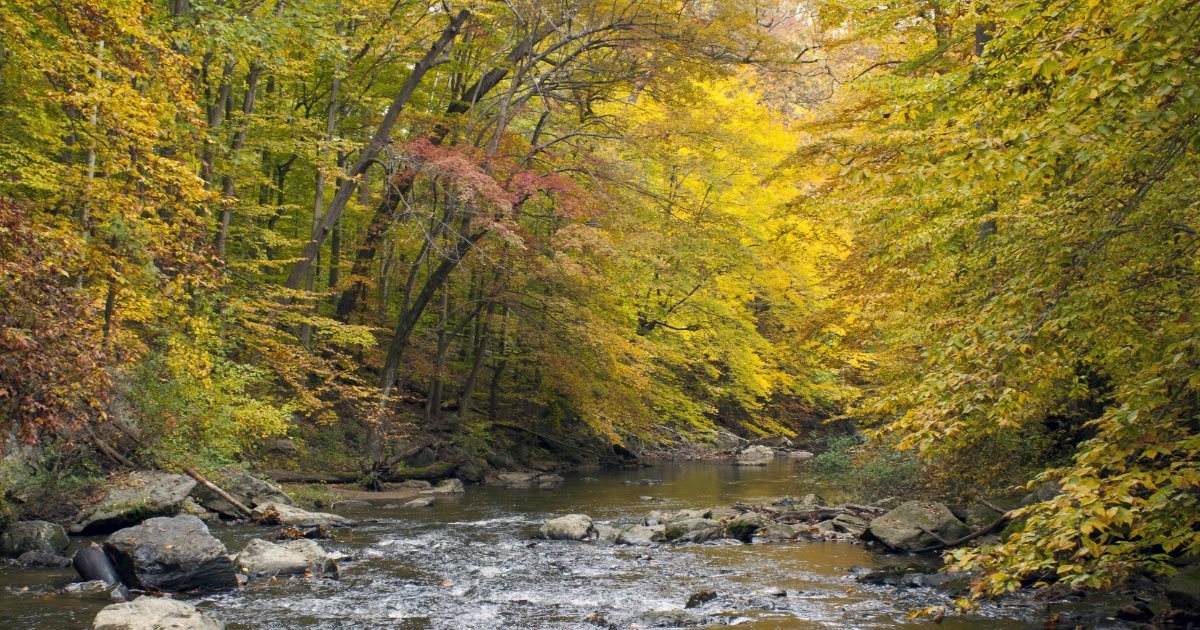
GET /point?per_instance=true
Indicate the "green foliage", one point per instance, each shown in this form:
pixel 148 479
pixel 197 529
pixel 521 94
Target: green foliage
pixel 866 471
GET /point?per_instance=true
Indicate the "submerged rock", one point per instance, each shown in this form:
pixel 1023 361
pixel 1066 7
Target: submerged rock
pixel 349 504
pixel 905 528
pixel 281 514
pixel 699 598
pixel 423 502
pixel 154 613
pixel 96 589
pixel 296 557
pixel 39 536
pixel 171 554
pixel 757 455
pixel 569 527
pixel 133 498
pixel 43 560
pixel 800 456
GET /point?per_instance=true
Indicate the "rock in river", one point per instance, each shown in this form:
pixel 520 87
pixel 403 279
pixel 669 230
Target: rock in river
pixel 139 495
pixel 280 514
pixel 905 528
pixel 246 488
pixel 744 526
pixel 171 554
pixel 43 560
pixel 154 613
pixel 569 527
pixel 641 535
pixel 757 455
pixel 1183 591
pixel 295 557
pixel 39 536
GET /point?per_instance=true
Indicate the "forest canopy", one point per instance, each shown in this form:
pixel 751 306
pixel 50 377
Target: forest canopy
pixel 967 228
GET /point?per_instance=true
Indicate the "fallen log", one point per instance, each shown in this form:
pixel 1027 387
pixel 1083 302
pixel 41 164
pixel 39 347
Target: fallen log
pixel 221 493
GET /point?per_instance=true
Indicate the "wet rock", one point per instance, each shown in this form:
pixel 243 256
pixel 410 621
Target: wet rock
pixel 723 514
pixel 1183 591
pixel 657 517
pixel 775 532
pixel 38 536
pixel 92 589
pixel 773 591
pixel 606 533
pixel 806 502
pixel 909 578
pixel 43 560
pixel 569 527
pixel 800 456
pixel 154 613
pixel 744 526
pixel 349 504
pixel 692 530
pixel 173 554
pixel 423 502
pixel 446 486
pixel 416 484
pixel 684 515
pixel 280 514
pixel 91 563
pixel 905 527
pixel 296 557
pixel 645 482
pixel 133 498
pixel 850 524
pixel 246 488
pixel 528 479
pixel 1137 611
pixel 320 532
pixel 699 598
pixel 757 455
pixel 641 535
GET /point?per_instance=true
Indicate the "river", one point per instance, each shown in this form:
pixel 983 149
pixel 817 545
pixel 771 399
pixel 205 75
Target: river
pixel 472 561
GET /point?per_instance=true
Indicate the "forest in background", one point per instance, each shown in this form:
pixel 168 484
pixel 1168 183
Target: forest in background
pixel 968 229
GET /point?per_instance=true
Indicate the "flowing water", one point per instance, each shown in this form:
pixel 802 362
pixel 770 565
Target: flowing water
pixel 472 561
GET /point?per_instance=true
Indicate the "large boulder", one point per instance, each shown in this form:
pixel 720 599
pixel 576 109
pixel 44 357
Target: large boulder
pixel 1183 591
pixel 524 480
pixel 907 527
pixel 743 527
pixel 171 554
pixel 246 488
pixel 757 455
pixel 295 557
pixel 154 613
pixel 641 535
pixel 569 527
pixel 39 536
pixel 727 441
pixel 283 514
pixel 133 498
pixel 692 530
pixel 446 486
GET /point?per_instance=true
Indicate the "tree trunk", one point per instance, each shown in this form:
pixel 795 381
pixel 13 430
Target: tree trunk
pixel 372 149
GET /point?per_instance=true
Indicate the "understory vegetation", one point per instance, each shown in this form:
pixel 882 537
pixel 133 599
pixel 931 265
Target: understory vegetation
pixel 384 238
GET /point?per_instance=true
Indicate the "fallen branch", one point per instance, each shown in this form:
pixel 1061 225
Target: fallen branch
pixel 945 544
pixel 221 493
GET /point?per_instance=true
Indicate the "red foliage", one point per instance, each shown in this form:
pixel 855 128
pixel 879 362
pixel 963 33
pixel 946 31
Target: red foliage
pixel 51 358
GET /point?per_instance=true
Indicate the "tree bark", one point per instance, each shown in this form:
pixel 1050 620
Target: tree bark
pixel 372 149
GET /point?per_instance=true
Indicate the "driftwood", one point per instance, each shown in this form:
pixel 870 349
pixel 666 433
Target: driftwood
pixel 221 493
